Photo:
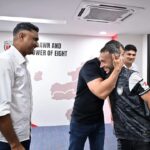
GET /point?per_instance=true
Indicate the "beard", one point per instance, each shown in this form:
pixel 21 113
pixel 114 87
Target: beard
pixel 109 70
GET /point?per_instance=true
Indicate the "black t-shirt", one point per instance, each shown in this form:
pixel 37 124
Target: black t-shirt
pixel 88 108
pixel 130 112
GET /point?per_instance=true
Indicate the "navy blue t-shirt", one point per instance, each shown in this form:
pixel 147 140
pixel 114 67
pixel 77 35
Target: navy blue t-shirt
pixel 88 108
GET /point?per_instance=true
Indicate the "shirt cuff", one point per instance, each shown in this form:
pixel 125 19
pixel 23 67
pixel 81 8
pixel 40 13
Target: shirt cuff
pixel 4 109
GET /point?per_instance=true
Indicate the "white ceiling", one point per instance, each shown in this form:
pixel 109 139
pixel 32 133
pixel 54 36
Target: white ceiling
pixel 139 23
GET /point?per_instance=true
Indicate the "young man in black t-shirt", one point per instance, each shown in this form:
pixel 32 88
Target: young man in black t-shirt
pixel 87 116
pixel 130 103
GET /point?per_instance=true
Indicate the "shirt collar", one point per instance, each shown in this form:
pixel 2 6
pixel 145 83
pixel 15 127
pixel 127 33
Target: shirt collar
pixel 18 56
pixel 127 67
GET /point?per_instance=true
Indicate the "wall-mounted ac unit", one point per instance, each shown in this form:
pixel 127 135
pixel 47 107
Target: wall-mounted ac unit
pixel 104 12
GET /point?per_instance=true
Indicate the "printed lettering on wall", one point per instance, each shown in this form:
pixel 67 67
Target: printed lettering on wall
pixel 50 49
pixel 44 49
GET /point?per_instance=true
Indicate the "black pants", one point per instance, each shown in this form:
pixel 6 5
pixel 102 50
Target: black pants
pixel 6 146
pixel 132 145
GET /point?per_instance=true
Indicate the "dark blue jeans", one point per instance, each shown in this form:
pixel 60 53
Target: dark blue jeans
pixel 5 146
pixel 80 132
pixel 132 145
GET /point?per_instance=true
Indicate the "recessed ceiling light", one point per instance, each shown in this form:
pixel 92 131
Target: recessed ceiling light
pixel 103 33
pixel 34 20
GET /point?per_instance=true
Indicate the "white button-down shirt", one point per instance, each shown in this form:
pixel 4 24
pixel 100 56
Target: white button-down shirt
pixel 15 92
pixel 133 67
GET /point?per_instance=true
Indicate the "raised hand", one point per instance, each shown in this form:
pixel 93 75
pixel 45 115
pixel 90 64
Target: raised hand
pixel 117 62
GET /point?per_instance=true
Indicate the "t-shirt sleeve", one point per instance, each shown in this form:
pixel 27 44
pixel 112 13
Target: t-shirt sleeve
pixel 137 84
pixel 91 71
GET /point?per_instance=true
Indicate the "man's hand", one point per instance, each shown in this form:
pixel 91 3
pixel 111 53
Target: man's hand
pixel 17 147
pixel 117 62
pixel 6 127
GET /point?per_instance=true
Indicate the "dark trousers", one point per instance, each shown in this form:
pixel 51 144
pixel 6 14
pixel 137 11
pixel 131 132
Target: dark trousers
pixel 80 132
pixel 132 145
pixel 6 146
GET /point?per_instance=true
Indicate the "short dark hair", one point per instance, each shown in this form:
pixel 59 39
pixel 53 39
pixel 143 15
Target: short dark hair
pixel 130 47
pixel 25 26
pixel 117 44
pixel 112 47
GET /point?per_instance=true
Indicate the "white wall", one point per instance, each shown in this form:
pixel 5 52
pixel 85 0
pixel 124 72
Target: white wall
pixel 55 70
pixel 54 78
pixel 144 58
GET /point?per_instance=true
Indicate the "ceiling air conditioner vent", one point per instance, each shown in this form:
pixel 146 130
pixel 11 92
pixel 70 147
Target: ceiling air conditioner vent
pixel 106 13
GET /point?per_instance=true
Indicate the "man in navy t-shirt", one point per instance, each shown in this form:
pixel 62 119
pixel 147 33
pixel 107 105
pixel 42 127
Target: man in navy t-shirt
pixel 87 116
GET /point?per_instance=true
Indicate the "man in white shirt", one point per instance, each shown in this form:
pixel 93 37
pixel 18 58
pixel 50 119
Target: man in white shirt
pixel 129 56
pixel 15 89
